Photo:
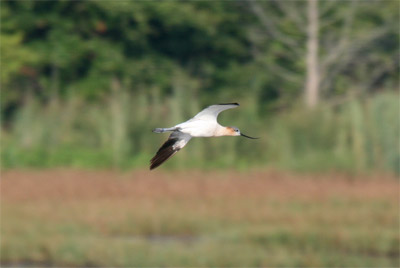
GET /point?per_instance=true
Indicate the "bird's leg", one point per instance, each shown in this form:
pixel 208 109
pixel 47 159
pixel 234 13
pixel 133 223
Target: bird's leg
pixel 161 130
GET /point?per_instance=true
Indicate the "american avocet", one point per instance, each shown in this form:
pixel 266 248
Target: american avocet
pixel 204 124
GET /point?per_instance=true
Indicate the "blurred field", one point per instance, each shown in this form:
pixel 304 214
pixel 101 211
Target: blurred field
pixel 141 218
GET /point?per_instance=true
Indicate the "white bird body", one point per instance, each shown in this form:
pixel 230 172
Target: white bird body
pixel 198 127
pixel 204 124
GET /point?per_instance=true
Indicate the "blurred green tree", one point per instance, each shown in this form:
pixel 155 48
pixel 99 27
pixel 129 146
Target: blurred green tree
pixel 344 46
pixel 79 47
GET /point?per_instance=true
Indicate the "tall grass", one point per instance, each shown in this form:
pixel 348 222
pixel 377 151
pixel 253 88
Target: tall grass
pixel 357 136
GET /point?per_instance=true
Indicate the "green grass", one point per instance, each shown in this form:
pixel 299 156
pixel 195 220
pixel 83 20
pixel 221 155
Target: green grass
pixel 357 136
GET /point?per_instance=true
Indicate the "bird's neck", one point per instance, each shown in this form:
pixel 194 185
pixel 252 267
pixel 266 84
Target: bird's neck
pixel 222 131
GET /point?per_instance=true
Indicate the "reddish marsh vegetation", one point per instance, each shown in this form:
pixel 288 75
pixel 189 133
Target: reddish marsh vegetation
pixel 141 218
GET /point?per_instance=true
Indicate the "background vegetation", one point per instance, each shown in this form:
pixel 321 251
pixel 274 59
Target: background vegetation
pixel 84 82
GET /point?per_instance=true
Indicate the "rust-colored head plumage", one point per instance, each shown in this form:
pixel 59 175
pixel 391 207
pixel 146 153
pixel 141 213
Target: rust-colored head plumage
pixel 232 131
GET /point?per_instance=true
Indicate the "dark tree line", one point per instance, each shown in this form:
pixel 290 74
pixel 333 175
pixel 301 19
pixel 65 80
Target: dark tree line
pixel 59 48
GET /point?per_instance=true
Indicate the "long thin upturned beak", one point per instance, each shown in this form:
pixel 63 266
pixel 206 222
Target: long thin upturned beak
pixel 241 134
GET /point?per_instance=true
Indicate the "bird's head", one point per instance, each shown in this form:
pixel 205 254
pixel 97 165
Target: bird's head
pixel 234 131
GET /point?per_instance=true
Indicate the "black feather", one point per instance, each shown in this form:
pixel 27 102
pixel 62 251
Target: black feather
pixel 234 103
pixel 165 152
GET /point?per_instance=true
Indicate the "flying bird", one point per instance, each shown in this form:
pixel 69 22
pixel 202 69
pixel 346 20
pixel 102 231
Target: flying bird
pixel 204 124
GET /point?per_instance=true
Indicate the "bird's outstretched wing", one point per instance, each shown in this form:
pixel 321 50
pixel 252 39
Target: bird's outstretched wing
pixel 176 141
pixel 211 112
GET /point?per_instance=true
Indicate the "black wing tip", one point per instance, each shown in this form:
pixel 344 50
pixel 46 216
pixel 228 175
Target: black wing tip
pixel 159 159
pixel 233 103
pixel 153 167
pixel 163 154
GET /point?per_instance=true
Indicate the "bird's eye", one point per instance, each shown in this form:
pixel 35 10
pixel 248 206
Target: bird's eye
pixel 237 130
